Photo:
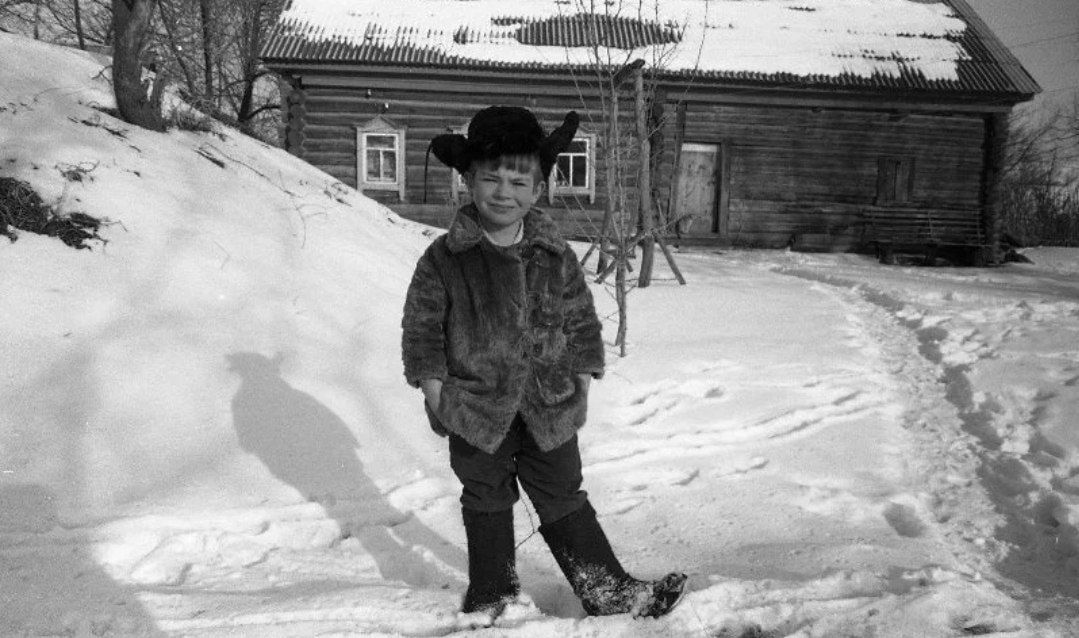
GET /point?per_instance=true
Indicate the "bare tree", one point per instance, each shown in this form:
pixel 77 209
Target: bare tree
pixel 626 127
pixel 138 101
pixel 79 34
pixel 178 48
pixel 79 22
pixel 85 22
pixel 208 49
pixel 1040 178
pixel 206 23
pixel 214 48
pixel 257 17
pixel 17 15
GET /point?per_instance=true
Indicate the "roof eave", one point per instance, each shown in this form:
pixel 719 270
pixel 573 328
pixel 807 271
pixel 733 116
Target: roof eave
pixel 702 83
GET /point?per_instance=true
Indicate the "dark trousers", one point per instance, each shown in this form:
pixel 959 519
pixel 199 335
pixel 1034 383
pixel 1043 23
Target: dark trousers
pixel 551 479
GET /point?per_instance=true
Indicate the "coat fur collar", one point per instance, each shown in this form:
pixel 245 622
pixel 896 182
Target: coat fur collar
pixel 539 230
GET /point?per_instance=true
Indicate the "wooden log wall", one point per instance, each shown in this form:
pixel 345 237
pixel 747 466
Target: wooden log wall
pixel 331 115
pixel 802 170
pixel 791 169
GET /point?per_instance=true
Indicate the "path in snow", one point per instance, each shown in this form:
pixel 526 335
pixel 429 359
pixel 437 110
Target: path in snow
pixel 779 420
pixel 1003 345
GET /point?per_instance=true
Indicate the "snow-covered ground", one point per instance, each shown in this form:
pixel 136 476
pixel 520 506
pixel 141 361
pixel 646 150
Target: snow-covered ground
pixel 204 430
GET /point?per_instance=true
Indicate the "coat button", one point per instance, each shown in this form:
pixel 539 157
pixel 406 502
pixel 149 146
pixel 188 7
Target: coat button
pixel 537 349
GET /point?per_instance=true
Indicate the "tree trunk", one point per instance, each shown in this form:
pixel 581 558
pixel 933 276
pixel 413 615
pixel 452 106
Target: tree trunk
pixel 205 19
pixel 168 22
pixel 137 104
pixel 609 162
pixel 644 184
pixel 78 25
pixel 620 293
pixel 251 34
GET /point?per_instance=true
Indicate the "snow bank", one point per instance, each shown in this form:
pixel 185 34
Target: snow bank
pixel 226 260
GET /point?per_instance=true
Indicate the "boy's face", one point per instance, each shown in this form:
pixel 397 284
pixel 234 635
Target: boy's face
pixel 503 194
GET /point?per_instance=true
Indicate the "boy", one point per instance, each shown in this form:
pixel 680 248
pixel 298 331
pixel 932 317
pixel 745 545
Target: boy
pixel 501 334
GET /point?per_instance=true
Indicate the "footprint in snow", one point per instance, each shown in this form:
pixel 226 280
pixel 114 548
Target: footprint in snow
pixel 671 477
pixel 670 397
pixel 739 467
pixel 633 496
pixel 623 505
pixel 904 520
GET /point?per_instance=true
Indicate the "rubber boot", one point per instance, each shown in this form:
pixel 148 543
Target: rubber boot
pixel 585 557
pixel 492 566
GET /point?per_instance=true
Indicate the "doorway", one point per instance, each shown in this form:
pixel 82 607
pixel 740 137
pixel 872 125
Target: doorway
pixel 699 208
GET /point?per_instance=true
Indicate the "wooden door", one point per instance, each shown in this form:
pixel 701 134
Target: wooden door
pixel 696 208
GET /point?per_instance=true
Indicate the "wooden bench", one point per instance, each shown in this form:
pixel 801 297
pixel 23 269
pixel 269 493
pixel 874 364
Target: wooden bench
pixel 932 233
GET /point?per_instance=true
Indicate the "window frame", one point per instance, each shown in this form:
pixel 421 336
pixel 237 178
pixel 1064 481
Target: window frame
pixel 892 188
pixel 458 187
pixel 589 189
pixel 382 127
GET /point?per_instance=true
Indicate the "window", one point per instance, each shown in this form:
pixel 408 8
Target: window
pixel 571 170
pixel 574 172
pixel 895 180
pixel 380 156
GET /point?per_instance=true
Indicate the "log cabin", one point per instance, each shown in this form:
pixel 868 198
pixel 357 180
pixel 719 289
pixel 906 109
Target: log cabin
pixel 815 124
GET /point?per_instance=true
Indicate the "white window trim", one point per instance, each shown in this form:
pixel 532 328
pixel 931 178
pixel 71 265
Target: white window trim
pixel 380 126
pixel 589 188
pixel 457 180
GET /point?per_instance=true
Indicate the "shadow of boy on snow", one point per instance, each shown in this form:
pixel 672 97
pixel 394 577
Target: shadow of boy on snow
pixel 304 444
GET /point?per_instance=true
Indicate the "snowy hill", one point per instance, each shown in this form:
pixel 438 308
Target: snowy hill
pixel 204 430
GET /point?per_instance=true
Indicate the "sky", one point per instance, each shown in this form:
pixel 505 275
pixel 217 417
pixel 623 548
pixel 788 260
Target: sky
pixel 1044 35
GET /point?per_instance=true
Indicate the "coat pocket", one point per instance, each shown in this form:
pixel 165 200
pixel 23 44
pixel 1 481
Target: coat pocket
pixel 433 420
pixel 554 381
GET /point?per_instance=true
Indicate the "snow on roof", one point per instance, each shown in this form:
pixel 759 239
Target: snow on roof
pixel 831 38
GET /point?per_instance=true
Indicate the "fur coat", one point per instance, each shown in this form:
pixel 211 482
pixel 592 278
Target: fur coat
pixel 507 330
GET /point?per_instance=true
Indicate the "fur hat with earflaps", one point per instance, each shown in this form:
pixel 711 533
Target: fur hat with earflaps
pixel 504 130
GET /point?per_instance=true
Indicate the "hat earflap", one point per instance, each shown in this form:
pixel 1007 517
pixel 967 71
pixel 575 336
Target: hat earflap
pixel 560 138
pixel 452 150
pixel 557 142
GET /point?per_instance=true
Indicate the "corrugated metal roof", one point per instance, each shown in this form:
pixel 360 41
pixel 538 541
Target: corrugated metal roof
pixel 982 66
pixel 991 64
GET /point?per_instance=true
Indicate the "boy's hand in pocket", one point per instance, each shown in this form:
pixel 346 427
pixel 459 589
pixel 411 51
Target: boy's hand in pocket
pixel 432 393
pixel 586 382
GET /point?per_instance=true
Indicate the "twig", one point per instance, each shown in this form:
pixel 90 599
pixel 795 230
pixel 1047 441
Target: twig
pixel 228 256
pixel 248 167
pixel 203 152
